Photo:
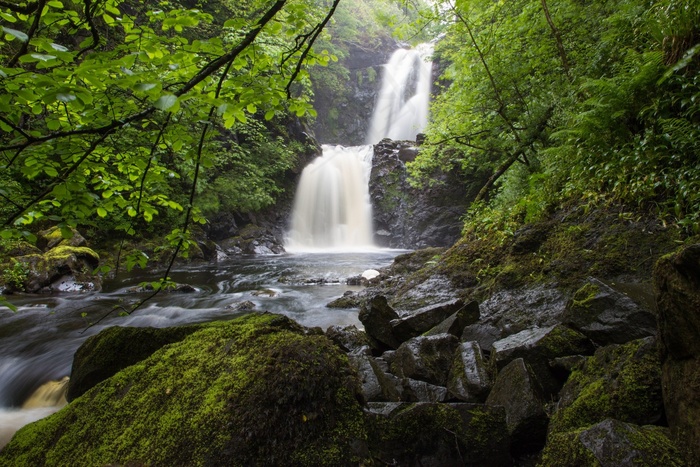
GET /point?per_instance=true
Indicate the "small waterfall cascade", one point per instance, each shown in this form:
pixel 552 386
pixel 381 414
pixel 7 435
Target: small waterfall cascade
pixel 332 209
pixel 50 394
pixel 401 110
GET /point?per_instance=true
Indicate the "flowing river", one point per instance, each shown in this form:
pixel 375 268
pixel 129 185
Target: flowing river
pixel 37 342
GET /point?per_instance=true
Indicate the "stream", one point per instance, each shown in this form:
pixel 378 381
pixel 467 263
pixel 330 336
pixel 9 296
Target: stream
pixel 37 342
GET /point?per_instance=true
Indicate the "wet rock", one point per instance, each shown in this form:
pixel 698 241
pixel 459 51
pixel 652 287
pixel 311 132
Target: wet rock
pixel 53 237
pixel 515 310
pixel 607 316
pixel 529 238
pixel 62 263
pixel 518 390
pixel 612 443
pixel 539 345
pixel 427 358
pixel 348 300
pixel 256 390
pixel 429 434
pixel 252 240
pixel 423 319
pixel 348 338
pixel 376 316
pixel 677 279
pixel 484 334
pixel 455 323
pixel 241 306
pixel 469 378
pixel 618 381
pixel 377 385
pixel 354 280
pixel 435 289
pixel 264 293
pixel 414 390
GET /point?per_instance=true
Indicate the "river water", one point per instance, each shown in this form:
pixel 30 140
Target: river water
pixel 37 342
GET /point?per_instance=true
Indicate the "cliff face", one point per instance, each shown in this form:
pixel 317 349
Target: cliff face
pixel 345 94
pixel 408 217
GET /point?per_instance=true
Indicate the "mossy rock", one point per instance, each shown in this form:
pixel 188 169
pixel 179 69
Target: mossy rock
pixel 115 348
pixel 619 381
pixel 54 236
pixel 438 434
pixel 256 390
pixel 611 443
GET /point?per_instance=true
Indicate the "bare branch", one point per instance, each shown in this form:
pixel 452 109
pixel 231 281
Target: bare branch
pixel 32 30
pixel 25 10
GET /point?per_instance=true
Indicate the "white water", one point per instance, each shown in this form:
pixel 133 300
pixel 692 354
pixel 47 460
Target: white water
pixel 401 111
pixel 332 209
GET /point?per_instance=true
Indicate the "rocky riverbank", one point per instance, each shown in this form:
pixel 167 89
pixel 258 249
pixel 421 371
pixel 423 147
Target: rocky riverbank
pixel 462 361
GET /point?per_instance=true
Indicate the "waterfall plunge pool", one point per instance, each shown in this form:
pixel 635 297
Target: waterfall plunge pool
pixel 37 342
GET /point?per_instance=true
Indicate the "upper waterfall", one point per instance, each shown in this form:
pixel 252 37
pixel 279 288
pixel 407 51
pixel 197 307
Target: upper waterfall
pixel 401 110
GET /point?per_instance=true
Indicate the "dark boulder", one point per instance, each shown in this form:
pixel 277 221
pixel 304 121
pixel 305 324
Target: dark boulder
pixel 348 300
pixel 619 381
pixel 518 390
pixel 376 316
pixel 607 316
pixel 377 384
pixel 469 379
pixel 482 333
pixel 64 267
pixel 348 338
pixel 423 319
pixel 677 279
pixel 455 323
pixel 415 390
pixel 438 435
pixel 427 358
pixel 612 443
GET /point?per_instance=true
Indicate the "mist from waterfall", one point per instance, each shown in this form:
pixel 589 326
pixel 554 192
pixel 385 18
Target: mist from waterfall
pixel 332 209
pixel 401 110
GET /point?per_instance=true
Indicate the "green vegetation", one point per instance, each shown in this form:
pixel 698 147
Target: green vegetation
pixel 594 102
pixel 116 115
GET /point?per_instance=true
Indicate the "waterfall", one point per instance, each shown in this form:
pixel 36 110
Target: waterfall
pixel 332 209
pixel 401 111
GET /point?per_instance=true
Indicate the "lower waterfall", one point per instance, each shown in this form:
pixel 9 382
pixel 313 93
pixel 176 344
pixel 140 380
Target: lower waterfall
pixel 332 209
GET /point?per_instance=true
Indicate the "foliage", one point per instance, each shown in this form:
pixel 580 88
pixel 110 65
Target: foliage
pixel 111 110
pixel 569 100
pixel 15 276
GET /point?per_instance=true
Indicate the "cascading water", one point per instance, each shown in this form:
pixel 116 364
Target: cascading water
pixel 332 210
pixel 401 111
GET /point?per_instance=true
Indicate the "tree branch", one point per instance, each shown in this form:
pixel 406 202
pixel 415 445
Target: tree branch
pixel 32 29
pixel 25 10
pixel 93 28
pixel 557 37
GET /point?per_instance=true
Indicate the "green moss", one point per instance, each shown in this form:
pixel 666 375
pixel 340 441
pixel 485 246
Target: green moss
pixel 585 294
pixel 63 252
pixel 252 391
pixel 621 382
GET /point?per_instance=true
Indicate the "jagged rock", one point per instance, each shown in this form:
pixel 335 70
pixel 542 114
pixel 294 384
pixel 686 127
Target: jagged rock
pixel 518 390
pixel 257 390
pixel 607 316
pixel 515 310
pixel 348 338
pixel 423 319
pixel 612 443
pixel 677 279
pixel 427 358
pixel 414 390
pixel 377 386
pixel 484 334
pixel 376 316
pixel 538 346
pixel 252 240
pixel 429 434
pixel 435 289
pixel 53 237
pixel 469 379
pixel 618 381
pixel 246 305
pixel 455 323
pixel 348 300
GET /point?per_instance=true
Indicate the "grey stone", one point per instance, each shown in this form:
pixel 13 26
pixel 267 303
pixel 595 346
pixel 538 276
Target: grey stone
pixel 469 379
pixel 427 358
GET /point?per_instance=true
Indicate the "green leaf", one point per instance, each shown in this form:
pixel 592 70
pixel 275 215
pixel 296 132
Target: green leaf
pixel 16 34
pixel 166 102
pixel 251 108
pixel 102 212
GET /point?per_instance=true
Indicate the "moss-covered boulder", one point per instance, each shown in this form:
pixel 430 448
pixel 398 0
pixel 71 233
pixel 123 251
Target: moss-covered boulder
pixel 612 443
pixel 677 280
pixel 257 390
pixel 63 267
pixel 618 381
pixel 115 348
pixel 430 434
